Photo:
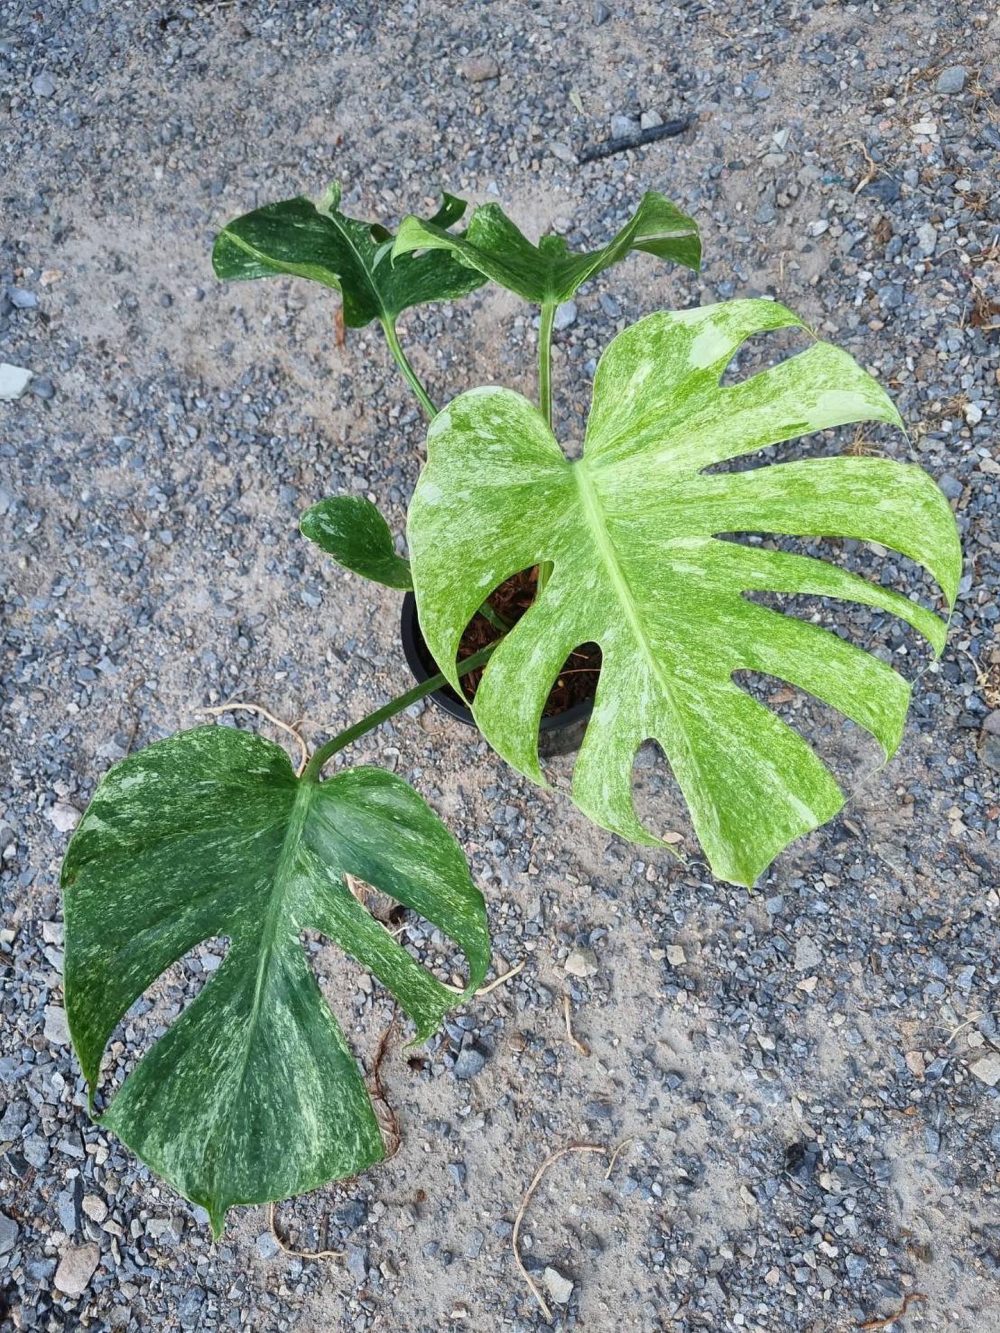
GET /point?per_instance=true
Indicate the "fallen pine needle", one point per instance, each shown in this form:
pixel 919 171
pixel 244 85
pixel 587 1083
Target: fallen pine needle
pixel 884 1323
pixel 515 1234
pixel 236 706
pixel 573 1041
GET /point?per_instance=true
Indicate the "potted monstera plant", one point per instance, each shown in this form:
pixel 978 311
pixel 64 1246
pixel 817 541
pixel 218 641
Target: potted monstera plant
pixel 621 555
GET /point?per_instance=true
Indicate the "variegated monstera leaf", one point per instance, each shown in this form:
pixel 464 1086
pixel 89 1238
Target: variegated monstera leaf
pixel 252 1094
pixel 632 533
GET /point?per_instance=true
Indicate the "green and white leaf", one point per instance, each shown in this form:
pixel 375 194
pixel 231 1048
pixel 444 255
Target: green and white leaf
pixel 353 531
pixel 252 1094
pixel 548 273
pixel 631 531
pixel 319 242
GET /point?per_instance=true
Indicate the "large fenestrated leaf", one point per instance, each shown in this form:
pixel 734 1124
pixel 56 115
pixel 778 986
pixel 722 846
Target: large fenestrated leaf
pixel 252 1094
pixel 548 273
pixel 319 242
pixel 630 530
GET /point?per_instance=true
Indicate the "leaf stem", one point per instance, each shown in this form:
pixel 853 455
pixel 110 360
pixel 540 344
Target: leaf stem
pixel 545 361
pixel 412 378
pixel 344 738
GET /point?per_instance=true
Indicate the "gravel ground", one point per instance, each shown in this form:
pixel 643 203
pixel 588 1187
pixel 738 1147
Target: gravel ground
pixel 806 1078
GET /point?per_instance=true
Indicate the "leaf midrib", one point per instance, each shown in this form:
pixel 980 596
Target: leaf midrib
pixel 282 877
pixel 594 515
pixel 597 524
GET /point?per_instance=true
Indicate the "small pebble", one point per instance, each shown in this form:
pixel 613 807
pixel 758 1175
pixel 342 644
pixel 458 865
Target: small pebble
pixel 952 79
pixel 477 69
pixel 76 1267
pixel 559 1288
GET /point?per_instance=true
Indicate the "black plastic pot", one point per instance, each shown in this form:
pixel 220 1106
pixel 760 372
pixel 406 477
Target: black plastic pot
pixel 420 662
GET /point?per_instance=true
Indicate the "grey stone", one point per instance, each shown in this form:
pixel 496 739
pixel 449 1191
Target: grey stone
pixel 808 954
pixel 601 13
pixel 22 299
pixel 357 1263
pixel 623 127
pixel 950 485
pixel 470 1062
pixel 9 1232
pixel 267 1246
pixel 565 316
pixel 43 85
pixel 649 120
pixel 952 79
pixel 926 239
pixel 477 69
pixel 989 751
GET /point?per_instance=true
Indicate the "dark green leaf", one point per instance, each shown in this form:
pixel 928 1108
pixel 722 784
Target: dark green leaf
pixel 318 242
pixel 548 273
pixel 252 1094
pixel 351 529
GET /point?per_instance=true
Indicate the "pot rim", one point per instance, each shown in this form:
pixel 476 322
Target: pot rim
pixel 409 627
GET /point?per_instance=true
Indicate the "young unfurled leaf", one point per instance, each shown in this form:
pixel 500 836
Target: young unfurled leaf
pixel 252 1094
pixel 317 241
pixel 548 273
pixel 351 529
pixel 630 531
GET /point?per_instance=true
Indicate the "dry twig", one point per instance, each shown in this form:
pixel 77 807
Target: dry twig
pixel 614 1156
pixel 884 1323
pixel 573 1041
pixel 490 985
pixel 515 1234
pixel 290 1249
pixel 237 706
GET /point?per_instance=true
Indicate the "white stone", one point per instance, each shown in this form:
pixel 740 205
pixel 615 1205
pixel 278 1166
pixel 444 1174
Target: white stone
pixel 581 963
pixel 987 1070
pixel 807 954
pixel 973 414
pixel 64 817
pixel 559 1288
pixel 56 1028
pixel 926 239
pixel 95 1208
pixel 649 120
pixel 13 381
pixel 76 1268
pixel 676 956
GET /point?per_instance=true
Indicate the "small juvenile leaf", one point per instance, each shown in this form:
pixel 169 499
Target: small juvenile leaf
pixel 548 273
pixel 319 242
pixel 630 530
pixel 351 529
pixel 252 1094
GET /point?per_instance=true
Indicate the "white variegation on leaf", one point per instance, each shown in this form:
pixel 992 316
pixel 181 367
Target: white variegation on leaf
pixel 252 1094
pixel 632 529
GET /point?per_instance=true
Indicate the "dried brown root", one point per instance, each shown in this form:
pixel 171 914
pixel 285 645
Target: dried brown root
pixel 237 706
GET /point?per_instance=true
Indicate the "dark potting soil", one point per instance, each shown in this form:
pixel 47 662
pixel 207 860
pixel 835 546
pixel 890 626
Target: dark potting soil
pixel 576 682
